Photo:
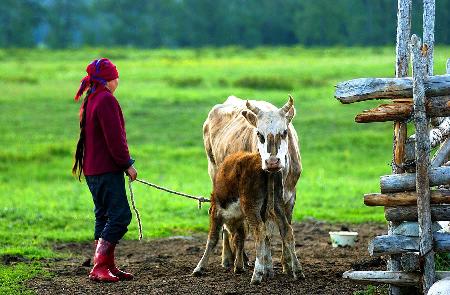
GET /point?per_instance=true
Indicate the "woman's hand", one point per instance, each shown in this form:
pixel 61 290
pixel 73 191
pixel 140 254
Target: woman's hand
pixel 131 172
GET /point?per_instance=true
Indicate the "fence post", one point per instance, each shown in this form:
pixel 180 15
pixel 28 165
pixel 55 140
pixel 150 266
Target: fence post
pixel 400 128
pixel 422 164
pixel 428 33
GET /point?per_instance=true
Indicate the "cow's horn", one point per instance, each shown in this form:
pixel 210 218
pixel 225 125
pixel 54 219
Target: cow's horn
pixel 252 108
pixel 288 105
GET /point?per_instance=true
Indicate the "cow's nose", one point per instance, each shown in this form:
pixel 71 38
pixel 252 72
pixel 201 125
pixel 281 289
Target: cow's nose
pixel 273 163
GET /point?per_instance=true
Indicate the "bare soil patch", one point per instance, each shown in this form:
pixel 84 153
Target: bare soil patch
pixel 164 266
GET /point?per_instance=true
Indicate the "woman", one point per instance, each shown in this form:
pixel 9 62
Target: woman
pixel 102 156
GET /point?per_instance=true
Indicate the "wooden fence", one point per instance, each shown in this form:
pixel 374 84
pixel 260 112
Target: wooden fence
pixel 410 193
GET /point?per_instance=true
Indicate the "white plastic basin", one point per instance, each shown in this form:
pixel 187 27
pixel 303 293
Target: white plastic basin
pixel 343 238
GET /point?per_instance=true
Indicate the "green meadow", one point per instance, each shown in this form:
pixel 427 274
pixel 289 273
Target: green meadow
pixel 165 96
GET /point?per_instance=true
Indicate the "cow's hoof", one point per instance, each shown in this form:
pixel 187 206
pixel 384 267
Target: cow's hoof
pixel 256 278
pixel 300 275
pixel 238 270
pixel 198 272
pixel 270 273
pixel 227 264
pixel 255 281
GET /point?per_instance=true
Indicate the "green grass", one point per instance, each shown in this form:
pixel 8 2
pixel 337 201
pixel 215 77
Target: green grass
pixel 165 96
pixel 11 278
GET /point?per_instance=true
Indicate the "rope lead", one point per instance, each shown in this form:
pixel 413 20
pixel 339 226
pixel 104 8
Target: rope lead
pixel 135 209
pixel 199 199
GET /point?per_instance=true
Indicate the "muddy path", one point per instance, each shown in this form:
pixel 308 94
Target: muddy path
pixel 164 266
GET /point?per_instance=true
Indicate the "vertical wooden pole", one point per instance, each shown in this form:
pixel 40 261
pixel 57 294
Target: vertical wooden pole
pixel 448 66
pixel 422 164
pixel 423 148
pixel 401 70
pixel 428 32
pixel 400 128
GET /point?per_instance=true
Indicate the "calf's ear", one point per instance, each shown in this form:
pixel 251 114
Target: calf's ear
pixel 250 117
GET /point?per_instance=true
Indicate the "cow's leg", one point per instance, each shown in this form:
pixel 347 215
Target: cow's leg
pixel 238 243
pixel 296 266
pixel 268 259
pixel 290 261
pixel 289 208
pixel 246 259
pixel 227 253
pixel 213 237
pixel 286 259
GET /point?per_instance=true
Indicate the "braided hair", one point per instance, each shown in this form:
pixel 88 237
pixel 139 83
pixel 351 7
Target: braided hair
pixel 77 168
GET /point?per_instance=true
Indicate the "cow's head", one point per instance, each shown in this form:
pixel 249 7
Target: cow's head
pixel 272 132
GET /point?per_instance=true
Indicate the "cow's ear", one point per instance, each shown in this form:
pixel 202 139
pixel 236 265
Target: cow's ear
pixel 250 117
pixel 290 114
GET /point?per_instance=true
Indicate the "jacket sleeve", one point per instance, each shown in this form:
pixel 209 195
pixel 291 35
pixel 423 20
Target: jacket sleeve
pixel 111 121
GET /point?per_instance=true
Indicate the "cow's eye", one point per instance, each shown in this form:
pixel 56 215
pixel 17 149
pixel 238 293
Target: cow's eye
pixel 260 137
pixel 285 132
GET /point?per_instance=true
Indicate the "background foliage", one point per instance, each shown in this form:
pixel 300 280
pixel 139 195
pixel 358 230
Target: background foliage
pixel 195 23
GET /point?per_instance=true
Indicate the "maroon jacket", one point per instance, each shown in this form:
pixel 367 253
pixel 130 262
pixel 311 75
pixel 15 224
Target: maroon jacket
pixel 105 145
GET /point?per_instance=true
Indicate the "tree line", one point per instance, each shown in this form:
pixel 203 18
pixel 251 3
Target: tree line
pixel 196 23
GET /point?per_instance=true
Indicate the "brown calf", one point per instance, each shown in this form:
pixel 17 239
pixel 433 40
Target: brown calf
pixel 244 193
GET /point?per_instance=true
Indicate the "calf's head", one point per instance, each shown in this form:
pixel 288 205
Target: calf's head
pixel 272 131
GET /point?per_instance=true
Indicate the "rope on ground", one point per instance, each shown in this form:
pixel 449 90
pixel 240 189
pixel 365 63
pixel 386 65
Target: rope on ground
pixel 199 199
pixel 135 209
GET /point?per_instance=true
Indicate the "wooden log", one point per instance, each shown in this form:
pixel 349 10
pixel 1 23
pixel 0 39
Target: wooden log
pixel 386 112
pixel 407 181
pixel 362 89
pixel 418 60
pixel 409 213
pixel 400 135
pixel 442 154
pixel 399 278
pixel 404 198
pixel 411 228
pixel 401 111
pixel 400 128
pixel 395 244
pixel 410 261
pixel 436 135
pixel 428 33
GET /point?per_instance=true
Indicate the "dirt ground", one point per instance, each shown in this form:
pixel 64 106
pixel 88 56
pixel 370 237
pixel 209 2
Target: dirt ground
pixel 164 266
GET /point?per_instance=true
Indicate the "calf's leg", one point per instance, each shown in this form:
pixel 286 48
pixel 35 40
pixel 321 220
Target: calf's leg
pixel 213 237
pixel 227 253
pixel 238 242
pixel 259 233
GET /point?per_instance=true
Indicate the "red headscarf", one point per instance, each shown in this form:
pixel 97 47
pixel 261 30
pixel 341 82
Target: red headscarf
pixel 99 71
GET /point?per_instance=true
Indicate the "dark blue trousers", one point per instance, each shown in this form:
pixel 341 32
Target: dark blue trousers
pixel 112 212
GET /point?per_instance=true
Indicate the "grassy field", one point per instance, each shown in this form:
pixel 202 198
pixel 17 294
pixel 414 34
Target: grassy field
pixel 165 96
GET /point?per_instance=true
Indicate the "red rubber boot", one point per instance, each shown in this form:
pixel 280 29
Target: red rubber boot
pixel 100 272
pixel 124 276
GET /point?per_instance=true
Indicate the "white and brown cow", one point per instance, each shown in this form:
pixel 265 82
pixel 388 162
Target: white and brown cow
pixel 244 193
pixel 255 126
